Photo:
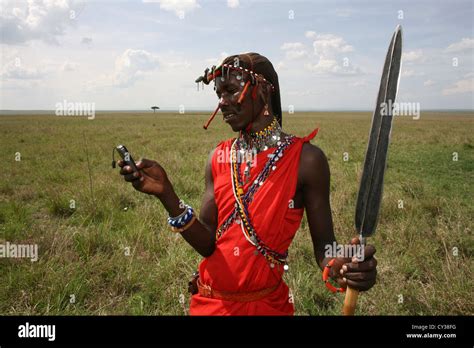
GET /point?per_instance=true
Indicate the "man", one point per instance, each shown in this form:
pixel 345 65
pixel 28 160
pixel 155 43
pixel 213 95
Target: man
pixel 257 188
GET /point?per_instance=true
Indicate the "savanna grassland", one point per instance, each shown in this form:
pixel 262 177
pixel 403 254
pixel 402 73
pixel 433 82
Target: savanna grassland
pixel 114 252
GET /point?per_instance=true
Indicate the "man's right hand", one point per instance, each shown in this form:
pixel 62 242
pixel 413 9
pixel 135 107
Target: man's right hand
pixel 151 177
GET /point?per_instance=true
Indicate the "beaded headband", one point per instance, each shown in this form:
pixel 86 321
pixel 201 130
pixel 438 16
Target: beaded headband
pixel 220 71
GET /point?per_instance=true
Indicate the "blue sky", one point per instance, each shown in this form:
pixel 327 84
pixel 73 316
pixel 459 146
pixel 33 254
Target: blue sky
pixel 328 54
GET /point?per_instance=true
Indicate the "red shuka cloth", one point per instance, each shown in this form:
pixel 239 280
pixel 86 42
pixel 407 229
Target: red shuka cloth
pixel 234 266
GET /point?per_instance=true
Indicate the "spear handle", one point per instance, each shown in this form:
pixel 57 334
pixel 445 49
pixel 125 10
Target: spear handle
pixel 350 301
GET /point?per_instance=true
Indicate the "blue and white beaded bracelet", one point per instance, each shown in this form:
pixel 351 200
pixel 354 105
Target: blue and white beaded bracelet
pixel 182 219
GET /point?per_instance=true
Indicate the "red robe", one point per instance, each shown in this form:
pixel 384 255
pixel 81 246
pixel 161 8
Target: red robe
pixel 234 266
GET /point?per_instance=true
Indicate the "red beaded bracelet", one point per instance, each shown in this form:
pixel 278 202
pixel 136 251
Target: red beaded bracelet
pixel 326 278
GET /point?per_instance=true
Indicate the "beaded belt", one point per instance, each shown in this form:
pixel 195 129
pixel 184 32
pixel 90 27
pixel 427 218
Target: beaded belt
pixel 248 296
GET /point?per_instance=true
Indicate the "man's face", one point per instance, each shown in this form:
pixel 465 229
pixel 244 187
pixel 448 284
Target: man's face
pixel 228 92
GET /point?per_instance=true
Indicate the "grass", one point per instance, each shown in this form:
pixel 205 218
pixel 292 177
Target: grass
pixel 83 250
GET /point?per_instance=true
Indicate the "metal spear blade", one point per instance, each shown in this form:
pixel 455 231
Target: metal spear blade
pixel 371 186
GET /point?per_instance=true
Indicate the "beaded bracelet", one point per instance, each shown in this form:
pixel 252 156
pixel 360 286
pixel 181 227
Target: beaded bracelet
pixel 331 287
pixel 183 219
pixel 185 227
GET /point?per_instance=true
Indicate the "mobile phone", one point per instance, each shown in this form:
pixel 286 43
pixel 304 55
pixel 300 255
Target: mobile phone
pixel 127 157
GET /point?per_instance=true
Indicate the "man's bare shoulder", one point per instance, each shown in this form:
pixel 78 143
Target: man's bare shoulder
pixel 313 163
pixel 312 156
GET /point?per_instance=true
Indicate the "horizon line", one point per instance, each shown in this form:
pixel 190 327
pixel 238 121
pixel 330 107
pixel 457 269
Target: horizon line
pixel 210 110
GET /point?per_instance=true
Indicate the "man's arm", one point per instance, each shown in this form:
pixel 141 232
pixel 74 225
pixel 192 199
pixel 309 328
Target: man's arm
pixel 202 234
pixel 314 177
pixel 152 179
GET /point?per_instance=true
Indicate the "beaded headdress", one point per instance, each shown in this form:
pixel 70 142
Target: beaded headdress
pixel 252 69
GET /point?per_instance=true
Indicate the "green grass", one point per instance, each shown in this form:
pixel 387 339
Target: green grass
pixel 82 250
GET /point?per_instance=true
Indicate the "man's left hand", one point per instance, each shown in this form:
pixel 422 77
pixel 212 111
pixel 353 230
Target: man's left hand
pixel 359 275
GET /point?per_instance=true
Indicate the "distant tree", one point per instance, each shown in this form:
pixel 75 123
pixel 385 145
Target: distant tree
pixel 155 108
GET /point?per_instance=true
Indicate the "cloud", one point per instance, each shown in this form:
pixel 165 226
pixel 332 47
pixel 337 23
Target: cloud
pixel 86 40
pixel 411 72
pixel 216 61
pixel 134 65
pixel 360 83
pixel 183 64
pixel 20 85
pixel 233 3
pixel 43 20
pixel 294 50
pixel 344 12
pixel 428 83
pixel 460 87
pixel 413 56
pixel 130 66
pixel 324 66
pixel 303 93
pixel 293 55
pixel 179 7
pixel 291 45
pixel 327 56
pixel 330 45
pixel 281 66
pixel 16 70
pixel 328 50
pixel 68 66
pixel 463 45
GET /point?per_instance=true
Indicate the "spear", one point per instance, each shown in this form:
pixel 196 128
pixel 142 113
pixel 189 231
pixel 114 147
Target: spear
pixel 371 184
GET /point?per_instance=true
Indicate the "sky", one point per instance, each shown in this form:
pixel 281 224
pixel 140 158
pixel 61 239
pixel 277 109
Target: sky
pixel 130 55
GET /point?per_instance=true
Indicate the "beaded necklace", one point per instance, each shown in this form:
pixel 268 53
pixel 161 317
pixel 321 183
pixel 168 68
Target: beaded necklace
pixel 252 143
pixel 261 140
pixel 243 200
pixel 272 134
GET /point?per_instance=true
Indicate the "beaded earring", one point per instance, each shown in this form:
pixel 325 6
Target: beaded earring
pixel 266 113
